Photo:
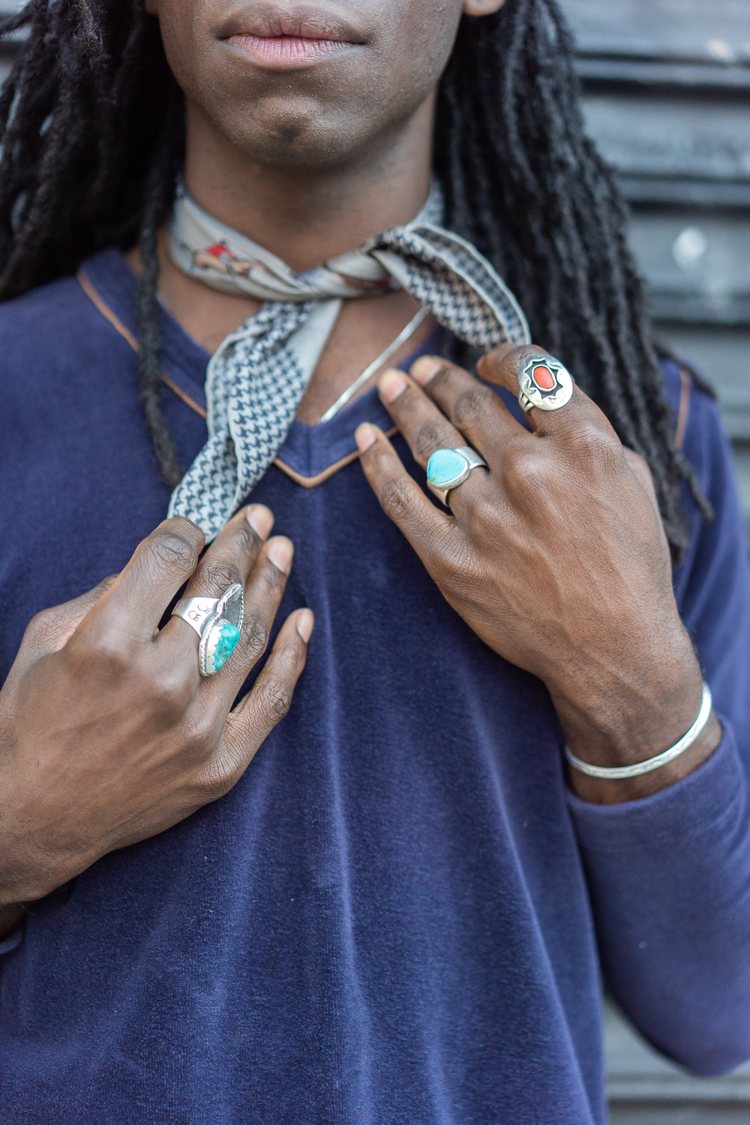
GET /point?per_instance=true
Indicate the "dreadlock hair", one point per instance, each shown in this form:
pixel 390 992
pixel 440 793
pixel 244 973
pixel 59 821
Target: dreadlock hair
pixel 92 136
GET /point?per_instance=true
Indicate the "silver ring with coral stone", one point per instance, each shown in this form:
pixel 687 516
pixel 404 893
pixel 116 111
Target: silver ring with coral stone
pixel 544 382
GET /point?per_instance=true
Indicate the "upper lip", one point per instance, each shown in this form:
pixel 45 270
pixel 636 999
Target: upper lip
pixel 268 21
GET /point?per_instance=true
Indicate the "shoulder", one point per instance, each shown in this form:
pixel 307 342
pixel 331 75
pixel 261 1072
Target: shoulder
pixel 697 421
pixel 41 317
pixel 718 545
pixel 65 311
pixel 54 343
pixel 698 426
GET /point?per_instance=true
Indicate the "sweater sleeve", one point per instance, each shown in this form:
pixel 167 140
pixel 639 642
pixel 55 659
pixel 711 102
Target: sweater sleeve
pixel 669 874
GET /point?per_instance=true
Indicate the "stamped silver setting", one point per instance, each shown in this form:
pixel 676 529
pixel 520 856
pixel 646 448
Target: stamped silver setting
pixel 544 382
pixel 218 622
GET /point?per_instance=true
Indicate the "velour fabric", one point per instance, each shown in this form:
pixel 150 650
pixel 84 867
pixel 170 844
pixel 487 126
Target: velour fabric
pixel 400 914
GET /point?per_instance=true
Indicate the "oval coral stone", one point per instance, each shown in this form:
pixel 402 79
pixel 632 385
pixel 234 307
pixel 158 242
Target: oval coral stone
pixel 544 378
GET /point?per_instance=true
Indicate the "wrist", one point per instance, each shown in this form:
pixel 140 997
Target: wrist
pixel 31 864
pixel 24 880
pixel 630 716
pixel 10 916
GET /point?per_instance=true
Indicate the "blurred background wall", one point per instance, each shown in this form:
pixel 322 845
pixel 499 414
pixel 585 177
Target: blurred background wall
pixel 667 96
pixel 667 85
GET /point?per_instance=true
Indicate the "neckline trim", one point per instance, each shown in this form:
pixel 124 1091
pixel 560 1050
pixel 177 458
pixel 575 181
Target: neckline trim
pixel 312 452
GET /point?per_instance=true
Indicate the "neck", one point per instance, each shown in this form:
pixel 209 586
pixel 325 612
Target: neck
pixel 307 215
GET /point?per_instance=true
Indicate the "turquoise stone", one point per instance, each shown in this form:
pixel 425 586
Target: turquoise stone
pixel 226 643
pixel 444 466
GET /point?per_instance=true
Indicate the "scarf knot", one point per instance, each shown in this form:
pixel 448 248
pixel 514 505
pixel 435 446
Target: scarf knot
pixel 258 376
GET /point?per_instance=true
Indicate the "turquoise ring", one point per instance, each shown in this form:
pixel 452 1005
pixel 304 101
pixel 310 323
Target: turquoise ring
pixel 218 623
pixel 447 468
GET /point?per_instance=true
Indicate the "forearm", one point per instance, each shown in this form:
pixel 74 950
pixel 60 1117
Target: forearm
pixel 21 886
pixel 669 878
pixel 625 712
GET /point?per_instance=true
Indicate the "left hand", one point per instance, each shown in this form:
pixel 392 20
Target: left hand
pixel 555 556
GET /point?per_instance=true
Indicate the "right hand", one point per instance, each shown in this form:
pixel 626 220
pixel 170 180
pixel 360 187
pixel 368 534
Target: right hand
pixel 108 733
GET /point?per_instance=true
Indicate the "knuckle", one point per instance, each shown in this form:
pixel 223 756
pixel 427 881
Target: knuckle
pixel 254 636
pixel 635 460
pixel 214 577
pixel 294 655
pixel 289 661
pixel 396 498
pixel 271 577
pixel 430 437
pixel 174 551
pixel 527 470
pixel 41 631
pixel 507 360
pixel 276 697
pixel 522 353
pixel 599 448
pixel 443 377
pixel 102 651
pixel 219 775
pixel 247 539
pixel 471 406
pixel 456 560
pixel 639 466
pixel 172 693
pixel 186 529
pixel 197 740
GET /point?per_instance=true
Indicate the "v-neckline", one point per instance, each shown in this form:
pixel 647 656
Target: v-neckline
pixel 310 450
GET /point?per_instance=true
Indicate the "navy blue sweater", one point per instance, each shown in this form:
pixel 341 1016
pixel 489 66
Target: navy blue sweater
pixel 401 913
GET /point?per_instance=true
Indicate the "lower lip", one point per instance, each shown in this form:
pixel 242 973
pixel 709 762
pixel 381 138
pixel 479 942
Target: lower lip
pixel 287 52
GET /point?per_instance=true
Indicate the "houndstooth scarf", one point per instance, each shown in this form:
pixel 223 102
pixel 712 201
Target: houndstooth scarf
pixel 256 379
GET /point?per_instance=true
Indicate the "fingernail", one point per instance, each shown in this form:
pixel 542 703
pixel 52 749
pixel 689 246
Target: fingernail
pixel 260 519
pixel 305 624
pixel 391 385
pixel 426 368
pixel 280 551
pixel 365 436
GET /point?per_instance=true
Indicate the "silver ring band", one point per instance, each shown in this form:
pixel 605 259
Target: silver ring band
pixel 218 623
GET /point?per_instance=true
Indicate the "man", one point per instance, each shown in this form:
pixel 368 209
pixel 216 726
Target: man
pixel 399 912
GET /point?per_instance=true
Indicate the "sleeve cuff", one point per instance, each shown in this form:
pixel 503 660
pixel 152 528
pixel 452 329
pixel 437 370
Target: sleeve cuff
pixel 716 791
pixel 13 938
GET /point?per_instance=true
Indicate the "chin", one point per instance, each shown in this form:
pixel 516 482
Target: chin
pixel 293 135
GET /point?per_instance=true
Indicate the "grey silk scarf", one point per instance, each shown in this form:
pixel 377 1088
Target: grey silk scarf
pixel 257 378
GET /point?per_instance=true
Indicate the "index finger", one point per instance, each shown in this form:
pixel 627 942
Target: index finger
pixel 160 565
pixel 554 403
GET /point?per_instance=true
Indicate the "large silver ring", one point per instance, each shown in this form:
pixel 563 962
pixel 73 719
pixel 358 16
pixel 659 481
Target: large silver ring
pixel 544 382
pixel 447 468
pixel 218 623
